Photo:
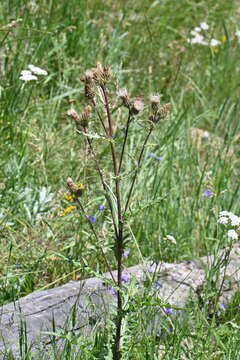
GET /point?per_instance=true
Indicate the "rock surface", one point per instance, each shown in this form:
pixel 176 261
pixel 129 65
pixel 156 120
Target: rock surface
pixel 33 315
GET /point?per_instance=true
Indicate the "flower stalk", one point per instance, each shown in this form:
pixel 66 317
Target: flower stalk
pixel 95 82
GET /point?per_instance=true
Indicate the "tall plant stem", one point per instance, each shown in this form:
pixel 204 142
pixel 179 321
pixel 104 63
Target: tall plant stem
pixel 119 238
pixel 137 169
pixel 99 116
pixel 104 185
pixel 124 142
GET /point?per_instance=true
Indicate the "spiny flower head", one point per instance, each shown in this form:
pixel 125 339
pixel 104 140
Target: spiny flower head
pixel 154 99
pixel 86 116
pixel 75 189
pixel 123 95
pixel 137 106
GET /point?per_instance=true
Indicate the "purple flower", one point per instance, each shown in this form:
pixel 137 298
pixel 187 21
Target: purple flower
pixel 159 158
pixel 223 306
pixel 149 269
pixel 208 193
pixel 92 219
pixel 125 278
pixel 157 285
pixel 150 155
pixel 18 265
pixel 102 207
pixel 168 311
pixel 239 306
pixel 112 291
pixel 126 253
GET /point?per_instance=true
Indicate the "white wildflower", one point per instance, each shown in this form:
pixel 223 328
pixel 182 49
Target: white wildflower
pixel 234 219
pixel 25 76
pixel 237 33
pixel 223 220
pixel 224 213
pixel 215 42
pixel 171 238
pixel 232 234
pixel 26 72
pixel 197 29
pixel 37 70
pixel 198 39
pixel 204 26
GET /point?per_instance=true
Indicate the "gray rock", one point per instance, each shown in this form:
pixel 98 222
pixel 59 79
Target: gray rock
pixel 32 316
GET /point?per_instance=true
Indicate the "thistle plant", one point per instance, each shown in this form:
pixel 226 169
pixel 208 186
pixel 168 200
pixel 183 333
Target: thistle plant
pixel 98 121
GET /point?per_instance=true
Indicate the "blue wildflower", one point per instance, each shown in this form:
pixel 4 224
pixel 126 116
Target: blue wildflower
pixel 208 193
pixel 102 207
pixel 112 291
pixel 168 311
pixel 126 253
pixel 125 278
pixel 92 219
pixel 150 155
pixel 157 285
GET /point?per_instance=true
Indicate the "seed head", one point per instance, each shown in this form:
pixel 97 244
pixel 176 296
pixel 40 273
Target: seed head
pixel 76 190
pixel 137 106
pixel 75 116
pixel 164 110
pixel 86 116
pixel 123 94
pixel 154 99
pixel 161 113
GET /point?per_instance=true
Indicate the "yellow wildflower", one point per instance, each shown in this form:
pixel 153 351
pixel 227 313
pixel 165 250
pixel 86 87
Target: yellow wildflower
pixel 223 39
pixel 69 197
pixel 81 186
pixel 68 210
pixel 53 258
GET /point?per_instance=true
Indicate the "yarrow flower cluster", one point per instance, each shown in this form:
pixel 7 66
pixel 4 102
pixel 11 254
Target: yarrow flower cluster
pixel 228 218
pixel 28 75
pixel 198 37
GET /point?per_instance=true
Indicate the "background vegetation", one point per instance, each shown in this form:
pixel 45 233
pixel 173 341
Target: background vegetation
pixel 197 149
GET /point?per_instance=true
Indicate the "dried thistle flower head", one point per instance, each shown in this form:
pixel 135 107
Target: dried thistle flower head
pixel 123 94
pixel 137 106
pixel 86 116
pixel 73 114
pixel 164 110
pixel 160 113
pixel 76 190
pixel 88 80
pixel 101 74
pixel 154 100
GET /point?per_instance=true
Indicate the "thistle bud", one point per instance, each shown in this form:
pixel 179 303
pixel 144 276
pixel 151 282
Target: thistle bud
pixel 75 116
pixel 101 74
pixel 86 116
pixel 75 189
pixel 123 94
pixel 164 110
pixel 160 113
pixel 154 101
pixel 137 106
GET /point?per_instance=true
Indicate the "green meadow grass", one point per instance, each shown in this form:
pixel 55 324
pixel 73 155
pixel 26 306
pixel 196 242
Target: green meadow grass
pixel 145 43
